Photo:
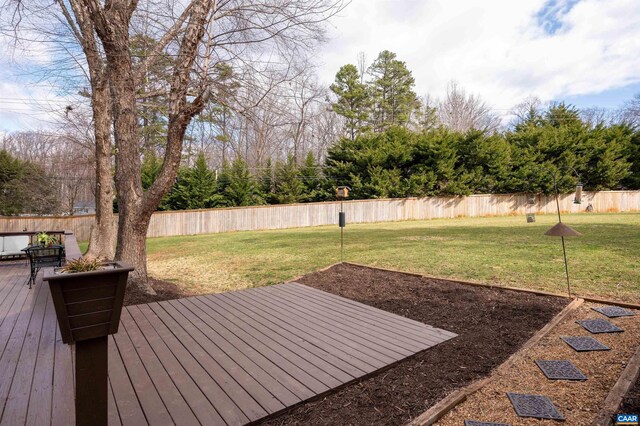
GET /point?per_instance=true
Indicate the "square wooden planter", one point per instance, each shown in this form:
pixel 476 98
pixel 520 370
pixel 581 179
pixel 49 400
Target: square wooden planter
pixel 88 304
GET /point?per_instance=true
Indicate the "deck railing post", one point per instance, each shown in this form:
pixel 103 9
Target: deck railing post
pixel 92 382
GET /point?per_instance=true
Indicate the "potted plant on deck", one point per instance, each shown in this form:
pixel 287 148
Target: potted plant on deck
pixel 47 240
pixel 88 295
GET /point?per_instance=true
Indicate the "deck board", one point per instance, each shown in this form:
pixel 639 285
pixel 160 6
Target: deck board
pixel 250 385
pixel 62 404
pixel 336 322
pixel 304 328
pixel 197 401
pixel 259 349
pixel 229 412
pixel 171 397
pixel 252 362
pixel 224 359
pixel 301 369
pixel 383 330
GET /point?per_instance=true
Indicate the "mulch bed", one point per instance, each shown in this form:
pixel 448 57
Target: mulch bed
pixel 580 402
pixel 164 291
pixel 491 323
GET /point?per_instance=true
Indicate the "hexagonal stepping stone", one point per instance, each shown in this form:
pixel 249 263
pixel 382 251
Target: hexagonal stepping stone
pixel 537 406
pixel 584 344
pixel 599 325
pixel 479 423
pixel 614 311
pixel 560 370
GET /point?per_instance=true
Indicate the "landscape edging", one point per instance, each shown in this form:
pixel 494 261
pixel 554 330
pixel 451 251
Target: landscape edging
pixel 618 391
pixel 446 404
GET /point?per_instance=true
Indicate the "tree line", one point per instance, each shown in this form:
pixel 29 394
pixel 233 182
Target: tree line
pixel 402 162
pixel 397 162
pixel 393 144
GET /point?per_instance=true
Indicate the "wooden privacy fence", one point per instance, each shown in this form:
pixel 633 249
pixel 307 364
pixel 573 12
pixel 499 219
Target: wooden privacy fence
pixel 190 222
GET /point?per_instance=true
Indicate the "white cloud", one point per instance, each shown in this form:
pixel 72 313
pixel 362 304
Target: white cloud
pixel 500 49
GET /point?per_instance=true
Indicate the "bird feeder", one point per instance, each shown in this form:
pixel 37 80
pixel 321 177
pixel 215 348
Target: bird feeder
pixel 578 197
pixel 531 201
pixel 342 192
pixel 561 230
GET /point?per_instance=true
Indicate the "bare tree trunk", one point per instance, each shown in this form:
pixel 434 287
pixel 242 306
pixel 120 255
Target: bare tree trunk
pixel 134 205
pixel 103 234
pixel 132 218
pixel 132 248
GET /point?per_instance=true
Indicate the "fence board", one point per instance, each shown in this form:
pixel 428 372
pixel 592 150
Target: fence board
pixel 191 222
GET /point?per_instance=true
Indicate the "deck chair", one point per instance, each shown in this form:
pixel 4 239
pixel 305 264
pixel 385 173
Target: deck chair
pixel 42 257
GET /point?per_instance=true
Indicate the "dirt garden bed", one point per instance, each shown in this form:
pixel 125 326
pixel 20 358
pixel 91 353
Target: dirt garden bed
pixel 491 323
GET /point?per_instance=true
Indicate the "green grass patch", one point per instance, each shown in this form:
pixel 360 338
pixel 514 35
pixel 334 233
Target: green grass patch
pixel 498 250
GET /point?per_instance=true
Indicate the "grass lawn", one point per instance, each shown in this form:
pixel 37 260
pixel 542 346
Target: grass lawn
pixel 501 250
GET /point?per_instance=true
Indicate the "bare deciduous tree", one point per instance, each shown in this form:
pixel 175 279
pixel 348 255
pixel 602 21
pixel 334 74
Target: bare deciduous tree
pixel 527 110
pixel 462 112
pixel 631 112
pixel 199 36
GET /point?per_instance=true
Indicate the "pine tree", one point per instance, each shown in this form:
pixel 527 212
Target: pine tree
pixel 352 100
pixel 632 153
pixel 196 188
pixel 266 182
pixel 311 178
pixel 25 187
pixel 238 187
pixel 152 112
pixel 561 114
pixel 289 188
pixel 392 91
pixel 151 166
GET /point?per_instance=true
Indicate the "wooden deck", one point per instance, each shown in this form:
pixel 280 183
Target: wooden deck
pixel 230 358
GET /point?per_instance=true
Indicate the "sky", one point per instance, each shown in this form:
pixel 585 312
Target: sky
pixel 585 52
